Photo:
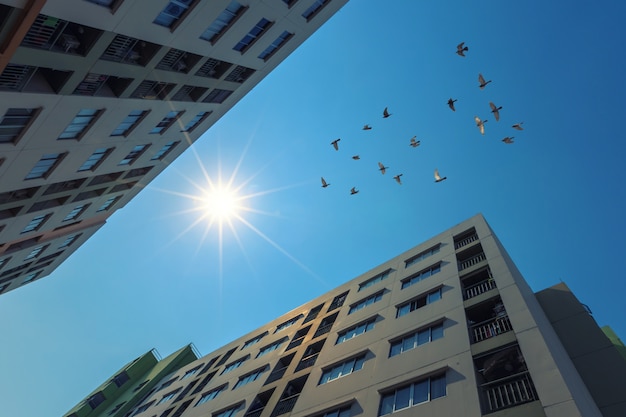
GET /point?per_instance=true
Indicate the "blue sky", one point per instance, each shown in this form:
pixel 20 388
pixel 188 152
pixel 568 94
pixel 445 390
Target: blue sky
pixel 556 197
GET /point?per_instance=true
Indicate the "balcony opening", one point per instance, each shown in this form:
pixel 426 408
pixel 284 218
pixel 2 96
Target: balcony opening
pixel 102 85
pixel 259 403
pixel 310 355
pixel 470 257
pixel 487 320
pixel 477 283
pixel 298 338
pixel 290 396
pixel 31 79
pixel 129 50
pixel 325 325
pixel 280 368
pixel 213 68
pixel 503 379
pixel 178 61
pixel 54 34
pixel 189 93
pixel 152 90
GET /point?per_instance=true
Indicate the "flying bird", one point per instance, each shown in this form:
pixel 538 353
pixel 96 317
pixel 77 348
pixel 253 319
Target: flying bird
pixel 356 157
pixel 367 127
pixel 495 110
pixel 439 178
pixel 353 191
pixel 451 104
pixel 414 143
pixel 461 48
pixel 382 168
pixel 482 82
pixel 324 183
pixel 335 144
pixel 508 140
pixel 518 126
pixel 480 124
pixel 386 113
pixel 397 178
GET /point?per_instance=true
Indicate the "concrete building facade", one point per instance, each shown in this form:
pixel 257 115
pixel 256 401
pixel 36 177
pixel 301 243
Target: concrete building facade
pixel 97 97
pixel 448 328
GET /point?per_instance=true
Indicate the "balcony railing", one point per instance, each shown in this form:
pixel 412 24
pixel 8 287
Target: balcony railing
pixel 255 413
pixel 479 288
pixel 294 343
pixel 472 261
pixel 465 241
pixel 276 375
pixel 307 362
pixel 285 405
pixel 508 392
pixel 490 328
pixel 323 330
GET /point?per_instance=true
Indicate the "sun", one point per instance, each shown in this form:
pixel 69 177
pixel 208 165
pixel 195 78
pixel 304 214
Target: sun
pixel 220 203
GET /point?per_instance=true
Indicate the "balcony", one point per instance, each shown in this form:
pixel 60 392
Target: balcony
pixel 51 33
pixel 469 262
pixel 465 241
pixel 508 392
pixel 307 362
pixel 285 405
pixel 479 288
pixel 490 328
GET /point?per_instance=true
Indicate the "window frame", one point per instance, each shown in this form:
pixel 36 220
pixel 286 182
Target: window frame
pixel 34 113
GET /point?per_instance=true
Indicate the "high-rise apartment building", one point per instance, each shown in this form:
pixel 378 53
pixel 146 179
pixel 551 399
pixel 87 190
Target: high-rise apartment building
pixel 97 97
pixel 448 328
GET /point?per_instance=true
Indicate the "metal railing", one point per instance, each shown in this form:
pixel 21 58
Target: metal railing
pixel 122 49
pixel 307 362
pixel 490 328
pixel 276 375
pixel 323 330
pixel 509 392
pixel 472 261
pixel 479 288
pixel 15 77
pixel 465 241
pixel 174 60
pixel 285 405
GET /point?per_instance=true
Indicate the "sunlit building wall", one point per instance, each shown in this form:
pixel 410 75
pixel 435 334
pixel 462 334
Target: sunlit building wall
pixel 97 97
pixel 448 328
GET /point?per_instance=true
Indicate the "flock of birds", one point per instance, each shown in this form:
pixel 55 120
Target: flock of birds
pixel 413 142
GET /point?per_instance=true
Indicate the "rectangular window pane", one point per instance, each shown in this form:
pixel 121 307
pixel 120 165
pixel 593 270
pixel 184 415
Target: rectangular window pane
pixel 420 392
pixel 438 387
pixel 403 397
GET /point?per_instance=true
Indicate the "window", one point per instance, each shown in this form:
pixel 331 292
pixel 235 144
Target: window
pixel 342 369
pixel 121 378
pixel 69 240
pixel 413 394
pixel 254 340
pixel 193 123
pixel 314 9
pixel 355 330
pixel 418 302
pixel 130 122
pixel 133 154
pixel 95 159
pixel 422 255
pixel 234 365
pixel 96 399
pixel 33 254
pixel 313 313
pixel 80 124
pixel 230 412
pixel 210 395
pixel 36 223
pixel 375 280
pixel 76 211
pixel 217 96
pixel 14 123
pixel 45 166
pixel 226 19
pixel 168 396
pixel 143 407
pixel 365 302
pixel 416 339
pixel 422 275
pixel 166 149
pixel 166 122
pixel 288 323
pixel 275 46
pixel 206 379
pixel 173 12
pixel 269 348
pixel 108 204
pixel 191 372
pixel 255 33
pixel 252 376
pixel 30 277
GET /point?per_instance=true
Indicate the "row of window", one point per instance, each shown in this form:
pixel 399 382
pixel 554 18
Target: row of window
pixel 173 13
pixel 16 120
